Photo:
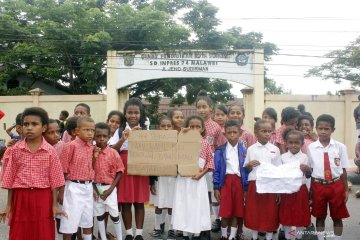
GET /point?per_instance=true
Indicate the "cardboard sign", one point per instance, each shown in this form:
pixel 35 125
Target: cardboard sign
pixel 163 153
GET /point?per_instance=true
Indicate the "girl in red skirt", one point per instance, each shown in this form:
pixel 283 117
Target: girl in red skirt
pixel 132 190
pixel 32 175
pixel 294 208
pixel 261 210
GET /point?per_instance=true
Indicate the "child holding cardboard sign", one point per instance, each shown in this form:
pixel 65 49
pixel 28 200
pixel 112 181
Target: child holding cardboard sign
pixel 191 210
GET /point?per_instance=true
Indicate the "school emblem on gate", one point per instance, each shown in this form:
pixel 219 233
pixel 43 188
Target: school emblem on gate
pixel 242 59
pixel 129 60
pixel 337 161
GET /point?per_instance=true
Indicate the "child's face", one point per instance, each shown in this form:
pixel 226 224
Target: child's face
pixel 292 123
pixel 33 128
pixel 324 130
pixel 132 115
pixel 62 117
pixel 294 143
pixel 263 133
pixel 86 131
pixel 101 137
pixel 235 113
pixel 178 119
pixel 220 117
pixel 113 123
pixel 268 118
pixel 196 124
pixel 52 134
pixel 19 130
pixel 165 124
pixel 232 134
pixel 305 126
pixel 81 111
pixel 203 109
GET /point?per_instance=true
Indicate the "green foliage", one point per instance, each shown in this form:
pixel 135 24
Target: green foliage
pixel 344 66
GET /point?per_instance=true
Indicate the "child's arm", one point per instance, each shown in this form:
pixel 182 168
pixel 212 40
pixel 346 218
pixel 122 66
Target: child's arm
pixel 8 131
pixel 252 164
pixel 6 214
pixel 107 192
pixel 55 209
pixel 345 183
pixel 200 174
pixel 124 136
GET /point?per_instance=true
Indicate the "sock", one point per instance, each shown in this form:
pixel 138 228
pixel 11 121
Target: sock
pixel 129 231
pixel 320 235
pixel 87 236
pixel 118 230
pixel 224 232
pixel 299 232
pixel 163 216
pixel 185 234
pixel 287 230
pixel 216 211
pixel 269 235
pixel 336 237
pixel 102 231
pixel 138 232
pixel 158 218
pixel 233 232
pixel 170 224
pixel 254 234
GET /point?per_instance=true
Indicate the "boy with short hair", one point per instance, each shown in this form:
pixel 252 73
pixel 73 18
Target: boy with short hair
pixel 328 159
pixel 108 168
pixel 80 110
pixel 18 128
pixel 230 179
pixel 77 198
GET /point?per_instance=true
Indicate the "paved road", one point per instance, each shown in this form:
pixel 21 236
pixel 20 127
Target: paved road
pixel 352 227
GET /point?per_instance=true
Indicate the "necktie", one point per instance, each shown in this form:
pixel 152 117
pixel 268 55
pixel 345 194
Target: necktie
pixel 327 169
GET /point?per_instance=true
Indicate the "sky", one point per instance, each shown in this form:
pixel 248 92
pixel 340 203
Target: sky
pixel 310 28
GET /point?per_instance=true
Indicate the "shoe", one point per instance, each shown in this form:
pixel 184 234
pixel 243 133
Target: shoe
pixel 171 234
pixel 162 228
pixel 185 238
pixel 281 235
pixel 179 233
pixel 240 236
pixel 156 233
pixel 195 238
pixel 262 234
pixel 205 235
pixel 139 237
pixel 223 238
pixel 216 226
pixel 129 237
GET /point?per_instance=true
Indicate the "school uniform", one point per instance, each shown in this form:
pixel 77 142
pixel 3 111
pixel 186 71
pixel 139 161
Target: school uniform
pixel 261 210
pixel 294 209
pixel 76 161
pixel 165 190
pixel 230 177
pixel 106 166
pixel 32 176
pixel 279 139
pixel 191 209
pixel 247 138
pixel 59 147
pixel 327 186
pixel 131 188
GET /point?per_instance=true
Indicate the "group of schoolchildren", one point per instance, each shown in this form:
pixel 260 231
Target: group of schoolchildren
pixel 84 175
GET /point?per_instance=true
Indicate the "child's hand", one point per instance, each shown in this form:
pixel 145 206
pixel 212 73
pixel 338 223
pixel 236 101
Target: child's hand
pixel 56 211
pixel 105 194
pixel 185 130
pixel 96 151
pixel 313 135
pixel 196 176
pixel 95 195
pixel 125 134
pixel 136 128
pixel 153 189
pixel 217 195
pixel 60 196
pixel 11 142
pixel 305 168
pixel 253 163
pixel 6 214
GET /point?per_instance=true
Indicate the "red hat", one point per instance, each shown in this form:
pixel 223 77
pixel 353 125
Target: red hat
pixel 2 114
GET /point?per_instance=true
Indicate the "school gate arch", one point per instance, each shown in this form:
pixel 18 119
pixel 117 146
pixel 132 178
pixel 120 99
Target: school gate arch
pixel 125 68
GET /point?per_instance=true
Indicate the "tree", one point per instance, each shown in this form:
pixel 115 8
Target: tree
pixel 345 65
pixel 64 43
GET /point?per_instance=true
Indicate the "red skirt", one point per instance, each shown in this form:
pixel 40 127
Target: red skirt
pixel 31 215
pixel 294 208
pixel 261 210
pixel 132 189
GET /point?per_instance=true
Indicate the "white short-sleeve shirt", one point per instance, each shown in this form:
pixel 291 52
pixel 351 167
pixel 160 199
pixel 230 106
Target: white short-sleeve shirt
pixel 232 159
pixel 263 153
pixel 337 156
pixel 115 138
pixel 300 157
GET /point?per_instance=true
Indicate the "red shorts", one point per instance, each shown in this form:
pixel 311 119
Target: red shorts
pixel 232 197
pixel 332 194
pixel 261 210
pixel 294 208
